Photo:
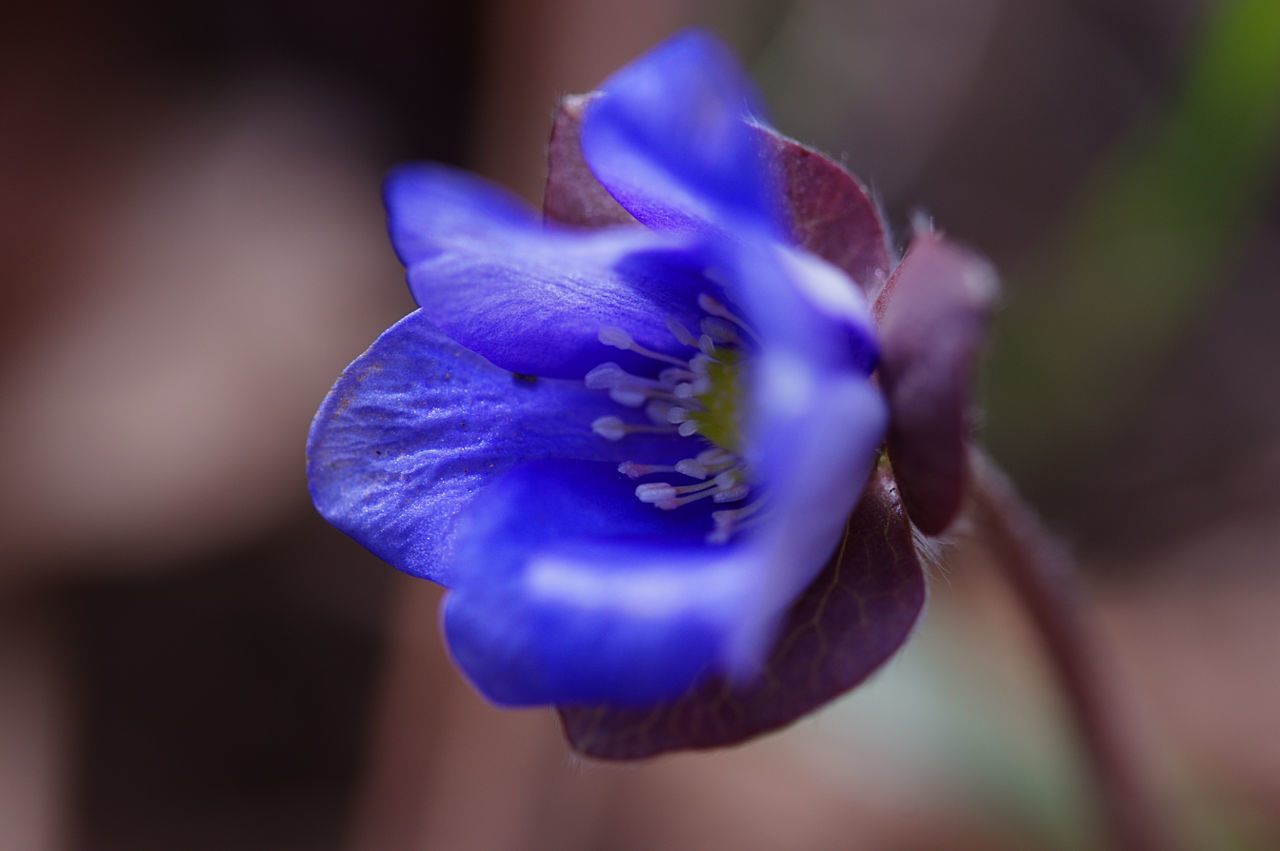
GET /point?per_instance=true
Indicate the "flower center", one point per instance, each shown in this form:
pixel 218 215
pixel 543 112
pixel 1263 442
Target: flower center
pixel 696 398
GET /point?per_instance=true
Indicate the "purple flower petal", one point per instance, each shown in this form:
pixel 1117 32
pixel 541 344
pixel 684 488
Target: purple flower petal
pixel 529 299
pixel 417 424
pixel 812 444
pixel 932 319
pixel 851 619
pixel 668 138
pixel 570 590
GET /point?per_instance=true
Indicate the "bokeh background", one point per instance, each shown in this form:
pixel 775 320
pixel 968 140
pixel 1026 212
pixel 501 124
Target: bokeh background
pixel 193 248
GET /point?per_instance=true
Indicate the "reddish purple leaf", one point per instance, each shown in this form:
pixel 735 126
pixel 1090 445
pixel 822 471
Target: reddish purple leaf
pixel 931 319
pixel 853 617
pixel 573 196
pixel 831 213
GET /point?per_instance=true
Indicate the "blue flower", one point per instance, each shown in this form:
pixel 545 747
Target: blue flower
pixel 629 452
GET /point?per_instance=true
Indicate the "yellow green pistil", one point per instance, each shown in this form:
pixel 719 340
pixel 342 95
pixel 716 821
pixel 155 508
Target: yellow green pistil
pixel 697 399
pixel 718 421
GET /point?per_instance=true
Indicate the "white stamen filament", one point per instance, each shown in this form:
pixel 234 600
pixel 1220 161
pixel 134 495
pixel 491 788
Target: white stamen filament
pixel 681 333
pixel 715 308
pixel 673 375
pixel 672 402
pixel 628 398
pixel 613 428
pixel 632 470
pixel 732 494
pixel 659 412
pixel 720 330
pixel 691 468
pixel 656 491
pixel 730 520
pixel 611 335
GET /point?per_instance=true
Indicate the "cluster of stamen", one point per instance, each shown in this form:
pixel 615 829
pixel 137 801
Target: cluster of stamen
pixel 693 398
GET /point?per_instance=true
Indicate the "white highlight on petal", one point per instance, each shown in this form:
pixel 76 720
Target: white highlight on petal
pixel 650 593
pixel 825 286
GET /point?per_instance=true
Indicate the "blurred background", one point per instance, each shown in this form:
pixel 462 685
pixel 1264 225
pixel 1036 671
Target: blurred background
pixel 193 249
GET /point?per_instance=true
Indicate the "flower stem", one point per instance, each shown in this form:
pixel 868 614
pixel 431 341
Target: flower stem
pixel 1042 576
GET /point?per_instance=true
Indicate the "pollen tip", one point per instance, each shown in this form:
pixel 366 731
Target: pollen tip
pixel 603 377
pixel 688 428
pixel 655 492
pixel 610 428
pixel 681 333
pixel 627 396
pixel 612 335
pixel 732 494
pixel 691 468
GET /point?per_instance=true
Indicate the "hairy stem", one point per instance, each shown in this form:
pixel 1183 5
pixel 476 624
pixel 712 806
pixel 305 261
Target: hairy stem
pixel 1042 576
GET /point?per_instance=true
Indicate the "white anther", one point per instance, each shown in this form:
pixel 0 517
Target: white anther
pixel 715 275
pixel 659 412
pixel 720 330
pixel 691 389
pixel 715 308
pixel 632 470
pixel 676 414
pixel 610 428
pixel 727 479
pixel 655 492
pixel 710 304
pixel 628 396
pixel 715 457
pixel 692 469
pixel 687 428
pixel 612 335
pixel 732 494
pixel 699 363
pixel 672 375
pixel 681 333
pixel 605 376
pixel 707 345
